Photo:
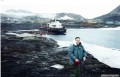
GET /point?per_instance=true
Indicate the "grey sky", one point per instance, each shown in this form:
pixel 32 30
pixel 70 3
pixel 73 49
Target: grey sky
pixel 86 8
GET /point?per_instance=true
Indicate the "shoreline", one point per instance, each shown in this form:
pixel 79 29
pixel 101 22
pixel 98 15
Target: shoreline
pixel 27 26
pixel 34 57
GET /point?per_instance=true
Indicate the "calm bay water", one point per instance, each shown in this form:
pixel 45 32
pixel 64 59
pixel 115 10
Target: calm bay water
pixel 106 38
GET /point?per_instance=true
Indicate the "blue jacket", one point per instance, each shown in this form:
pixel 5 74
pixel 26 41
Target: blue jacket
pixel 76 52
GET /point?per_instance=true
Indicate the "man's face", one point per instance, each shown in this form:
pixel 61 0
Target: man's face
pixel 77 41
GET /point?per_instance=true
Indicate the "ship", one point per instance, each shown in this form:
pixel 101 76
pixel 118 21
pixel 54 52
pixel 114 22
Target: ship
pixel 54 27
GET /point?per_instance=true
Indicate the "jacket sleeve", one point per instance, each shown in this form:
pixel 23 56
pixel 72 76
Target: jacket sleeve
pixel 70 52
pixel 85 53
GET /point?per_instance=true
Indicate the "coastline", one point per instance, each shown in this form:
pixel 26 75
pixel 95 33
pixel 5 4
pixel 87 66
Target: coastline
pixel 34 57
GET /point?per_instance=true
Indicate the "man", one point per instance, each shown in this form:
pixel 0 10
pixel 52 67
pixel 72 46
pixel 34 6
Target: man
pixel 77 55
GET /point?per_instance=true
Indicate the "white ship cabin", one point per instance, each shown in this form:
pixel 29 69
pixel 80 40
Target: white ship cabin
pixel 55 24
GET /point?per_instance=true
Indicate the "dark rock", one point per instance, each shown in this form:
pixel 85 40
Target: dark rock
pixel 34 58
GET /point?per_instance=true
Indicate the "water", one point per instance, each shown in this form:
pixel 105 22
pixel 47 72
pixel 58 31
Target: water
pixel 103 44
pixel 107 38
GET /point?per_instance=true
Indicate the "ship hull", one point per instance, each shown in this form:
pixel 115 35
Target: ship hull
pixel 55 30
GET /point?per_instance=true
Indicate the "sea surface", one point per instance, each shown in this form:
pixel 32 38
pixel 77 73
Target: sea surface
pixel 109 38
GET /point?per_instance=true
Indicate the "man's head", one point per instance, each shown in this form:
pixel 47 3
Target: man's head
pixel 77 39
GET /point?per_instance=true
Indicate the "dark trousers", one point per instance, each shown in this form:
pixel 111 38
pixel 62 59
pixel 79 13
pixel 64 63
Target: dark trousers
pixel 77 71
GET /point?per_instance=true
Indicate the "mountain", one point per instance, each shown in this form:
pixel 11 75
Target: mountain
pixel 116 10
pixel 70 15
pixel 114 15
pixel 21 13
pixel 9 18
pixel 18 13
pixel 66 18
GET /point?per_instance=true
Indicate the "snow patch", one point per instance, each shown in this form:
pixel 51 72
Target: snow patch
pixel 58 66
pixel 117 28
pixel 66 18
pixel 27 30
pixel 21 35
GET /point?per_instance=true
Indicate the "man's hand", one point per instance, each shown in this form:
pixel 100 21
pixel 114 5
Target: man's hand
pixel 84 58
pixel 76 60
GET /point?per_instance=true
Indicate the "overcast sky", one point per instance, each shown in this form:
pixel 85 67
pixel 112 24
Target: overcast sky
pixel 86 8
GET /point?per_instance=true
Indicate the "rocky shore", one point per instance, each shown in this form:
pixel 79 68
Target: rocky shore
pixel 34 57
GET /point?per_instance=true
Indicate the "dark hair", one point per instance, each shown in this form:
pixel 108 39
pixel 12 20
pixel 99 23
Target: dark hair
pixel 77 38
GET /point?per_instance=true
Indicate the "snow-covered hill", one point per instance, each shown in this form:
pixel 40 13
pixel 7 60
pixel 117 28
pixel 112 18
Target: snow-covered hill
pixel 24 13
pixel 66 18
pixel 18 13
pixel 114 15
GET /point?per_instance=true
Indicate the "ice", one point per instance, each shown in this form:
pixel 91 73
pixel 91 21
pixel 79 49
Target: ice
pixel 117 28
pixel 26 35
pixel 27 30
pixel 58 66
pixel 105 55
pixel 12 34
pixel 21 35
